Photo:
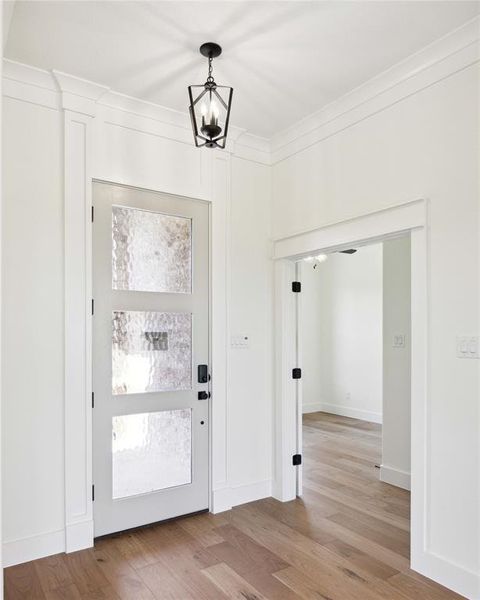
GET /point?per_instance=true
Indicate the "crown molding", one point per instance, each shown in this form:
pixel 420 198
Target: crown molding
pixel 77 94
pixel 450 54
pixel 441 58
pixel 58 90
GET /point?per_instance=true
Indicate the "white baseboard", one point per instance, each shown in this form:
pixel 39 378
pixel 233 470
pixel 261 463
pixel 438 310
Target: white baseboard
pixel 395 477
pixel 312 407
pixel 226 498
pixel 30 548
pixel 344 411
pixel 452 576
pixel 221 500
pixel 79 536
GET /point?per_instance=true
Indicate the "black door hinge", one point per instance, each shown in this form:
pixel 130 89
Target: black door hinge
pixel 93 399
pixel 296 373
pixel 296 460
pixel 93 214
pixel 296 286
pixel 93 306
pixel 93 493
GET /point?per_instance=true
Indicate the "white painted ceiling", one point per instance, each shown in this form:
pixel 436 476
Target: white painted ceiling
pixel 285 59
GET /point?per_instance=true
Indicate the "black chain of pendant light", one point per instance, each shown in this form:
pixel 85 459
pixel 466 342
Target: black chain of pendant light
pixel 209 131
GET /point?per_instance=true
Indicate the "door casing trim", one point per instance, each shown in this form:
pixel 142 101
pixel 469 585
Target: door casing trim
pixel 410 218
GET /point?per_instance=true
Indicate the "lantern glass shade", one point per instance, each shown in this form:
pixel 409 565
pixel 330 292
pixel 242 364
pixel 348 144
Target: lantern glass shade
pixel 210 113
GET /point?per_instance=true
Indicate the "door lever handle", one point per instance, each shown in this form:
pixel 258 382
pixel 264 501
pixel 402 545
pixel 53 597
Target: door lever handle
pixel 203 395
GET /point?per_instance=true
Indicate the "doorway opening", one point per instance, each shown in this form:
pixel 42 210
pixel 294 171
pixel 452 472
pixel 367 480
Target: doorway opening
pixel 391 223
pixel 354 337
pixel 353 334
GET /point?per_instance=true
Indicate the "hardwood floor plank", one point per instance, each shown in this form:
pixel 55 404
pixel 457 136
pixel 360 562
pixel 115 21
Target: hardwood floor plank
pixel 231 584
pixel 23 583
pixel 123 579
pixel 68 592
pixel 204 528
pixel 164 584
pixel 415 589
pixel 255 556
pixel 86 574
pixel 53 573
pixel 370 564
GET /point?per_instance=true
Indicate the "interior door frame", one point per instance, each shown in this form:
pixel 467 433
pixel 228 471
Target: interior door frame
pixel 410 218
pixel 79 527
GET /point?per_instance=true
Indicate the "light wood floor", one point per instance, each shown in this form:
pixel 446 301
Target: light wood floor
pixel 346 539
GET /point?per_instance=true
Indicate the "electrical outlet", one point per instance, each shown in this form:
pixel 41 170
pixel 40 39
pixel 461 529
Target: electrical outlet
pixel 240 342
pixel 399 340
pixel 467 346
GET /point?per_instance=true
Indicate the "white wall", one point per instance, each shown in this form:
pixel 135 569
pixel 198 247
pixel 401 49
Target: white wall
pixel 250 289
pixel 32 351
pixel 135 146
pixel 395 468
pixel 417 138
pixel 342 334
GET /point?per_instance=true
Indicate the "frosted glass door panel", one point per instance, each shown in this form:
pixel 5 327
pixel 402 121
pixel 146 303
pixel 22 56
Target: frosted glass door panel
pixel 151 352
pixel 151 451
pixel 151 252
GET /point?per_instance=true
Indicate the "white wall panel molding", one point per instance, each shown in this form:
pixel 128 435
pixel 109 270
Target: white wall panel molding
pixel 78 291
pixel 220 258
pixel 452 53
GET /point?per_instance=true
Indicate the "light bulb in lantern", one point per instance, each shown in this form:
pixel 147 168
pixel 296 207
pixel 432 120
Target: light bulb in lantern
pixel 203 112
pixel 210 127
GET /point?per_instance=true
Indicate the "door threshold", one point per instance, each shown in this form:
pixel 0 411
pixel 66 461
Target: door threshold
pixel 154 524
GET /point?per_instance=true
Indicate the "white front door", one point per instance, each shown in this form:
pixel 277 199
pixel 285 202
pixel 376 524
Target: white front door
pixel 150 340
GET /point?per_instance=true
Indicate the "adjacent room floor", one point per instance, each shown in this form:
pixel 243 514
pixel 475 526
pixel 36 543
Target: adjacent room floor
pixel 346 539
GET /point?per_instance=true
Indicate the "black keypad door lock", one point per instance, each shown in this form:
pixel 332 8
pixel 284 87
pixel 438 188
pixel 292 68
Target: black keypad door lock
pixel 203 374
pixel 203 395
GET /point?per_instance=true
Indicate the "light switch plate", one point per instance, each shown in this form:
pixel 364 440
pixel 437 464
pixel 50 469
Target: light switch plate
pixel 240 342
pixel 399 340
pixel 467 346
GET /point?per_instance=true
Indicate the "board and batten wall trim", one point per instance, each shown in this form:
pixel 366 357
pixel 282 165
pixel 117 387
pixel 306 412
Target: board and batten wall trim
pixel 78 101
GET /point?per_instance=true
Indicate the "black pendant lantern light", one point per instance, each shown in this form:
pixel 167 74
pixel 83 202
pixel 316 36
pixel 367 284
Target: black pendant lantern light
pixel 210 105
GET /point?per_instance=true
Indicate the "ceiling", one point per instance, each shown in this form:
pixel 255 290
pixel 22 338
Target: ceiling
pixel 285 59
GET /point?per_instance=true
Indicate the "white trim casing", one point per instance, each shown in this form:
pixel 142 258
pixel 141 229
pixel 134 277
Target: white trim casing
pixel 285 405
pixel 79 112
